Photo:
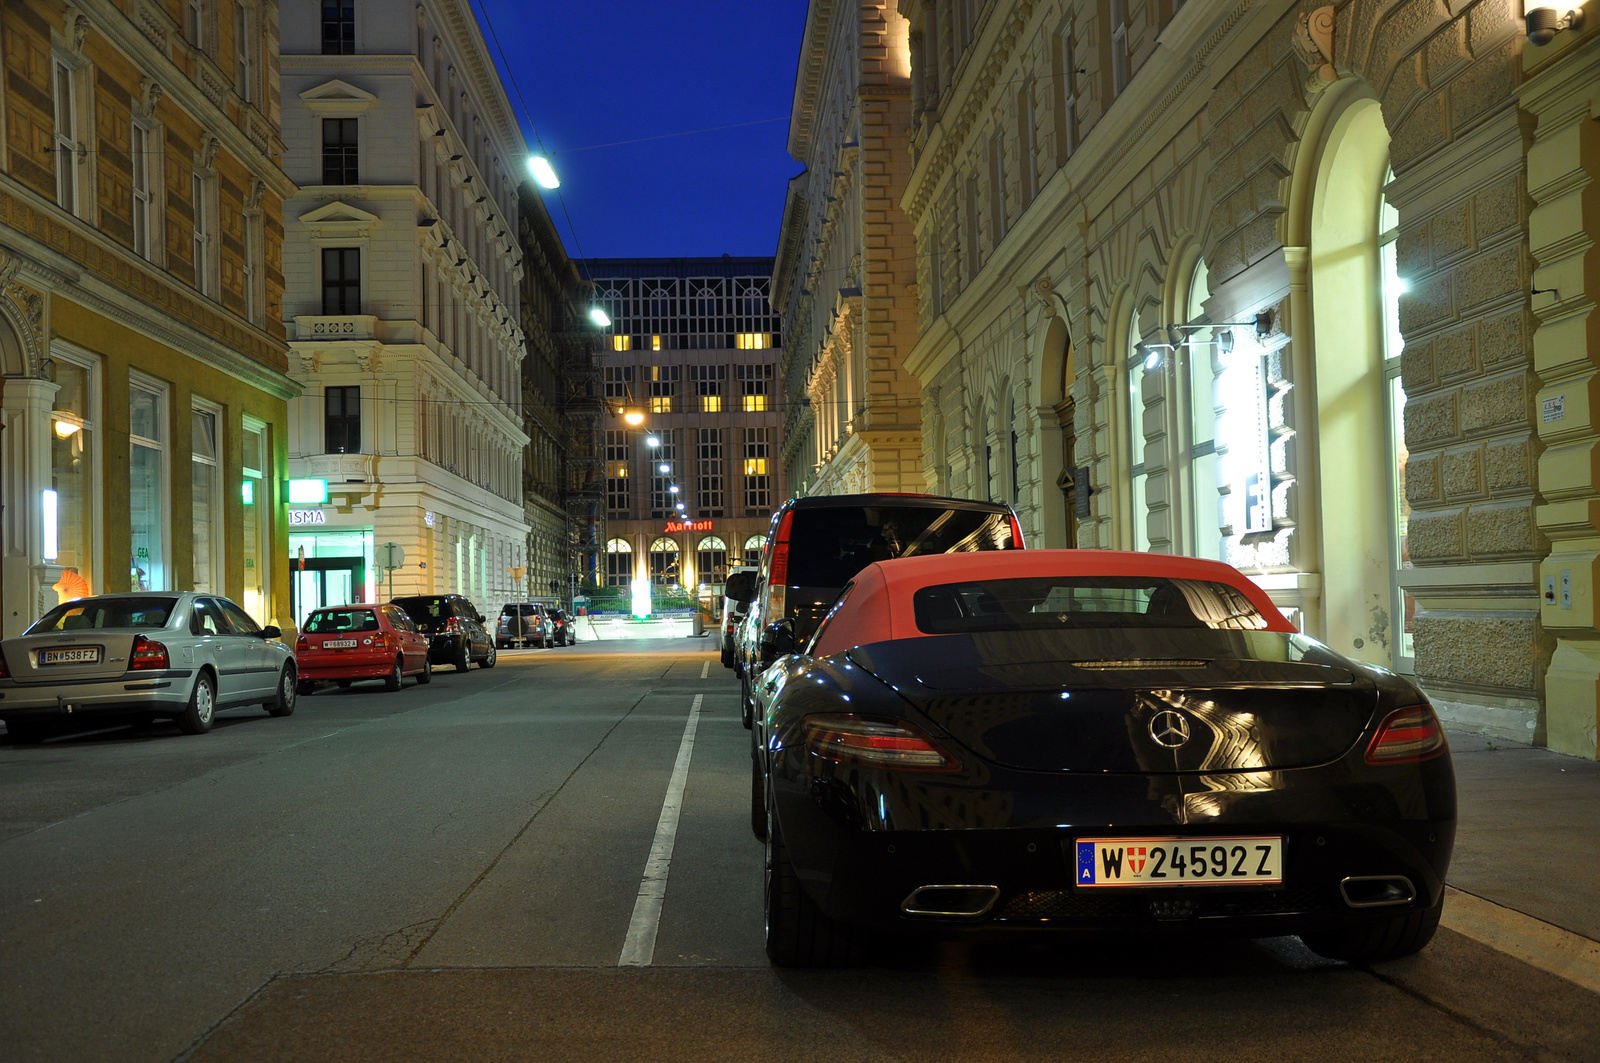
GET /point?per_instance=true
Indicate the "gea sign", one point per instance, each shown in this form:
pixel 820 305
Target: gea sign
pixel 687 525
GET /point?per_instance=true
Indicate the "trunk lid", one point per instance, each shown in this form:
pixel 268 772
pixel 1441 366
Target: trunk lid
pixel 46 658
pixel 1133 700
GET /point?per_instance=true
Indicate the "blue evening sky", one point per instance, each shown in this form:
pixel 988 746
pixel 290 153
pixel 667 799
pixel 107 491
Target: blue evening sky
pixel 598 73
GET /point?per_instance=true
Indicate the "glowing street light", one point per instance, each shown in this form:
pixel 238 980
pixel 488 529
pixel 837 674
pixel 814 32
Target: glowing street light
pixel 664 468
pixel 599 317
pixel 634 418
pixel 542 172
pixel 673 488
pixel 652 441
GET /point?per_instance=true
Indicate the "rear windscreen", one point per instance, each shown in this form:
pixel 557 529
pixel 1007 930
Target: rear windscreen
pixel 1046 602
pixel 125 613
pixel 827 547
pixel 335 620
pixel 423 609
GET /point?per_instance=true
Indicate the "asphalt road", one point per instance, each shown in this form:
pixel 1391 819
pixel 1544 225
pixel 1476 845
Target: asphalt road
pixel 452 872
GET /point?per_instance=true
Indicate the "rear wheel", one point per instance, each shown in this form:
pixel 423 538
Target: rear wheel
pixel 490 658
pixel 304 687
pixel 798 934
pixel 426 675
pixel 1402 935
pixel 396 675
pixel 288 692
pixel 196 719
pixel 27 732
pixel 747 714
pixel 758 802
pixel 463 659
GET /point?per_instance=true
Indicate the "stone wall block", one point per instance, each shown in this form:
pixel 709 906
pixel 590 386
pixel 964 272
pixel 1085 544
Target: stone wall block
pixel 1431 420
pixel 1497 208
pixel 1403 30
pixel 1503 339
pixel 1461 473
pixel 1446 50
pixel 1489 277
pixel 1486 84
pixel 1417 373
pixel 1420 131
pixel 1450 232
pixel 1411 251
pixel 1404 88
pixel 1505 529
pixel 1503 401
pixel 1435 535
pixel 1508 465
pixel 1422 479
pixel 1259 238
pixel 1426 305
pixel 1453 353
pixel 1496 651
pixel 1492 20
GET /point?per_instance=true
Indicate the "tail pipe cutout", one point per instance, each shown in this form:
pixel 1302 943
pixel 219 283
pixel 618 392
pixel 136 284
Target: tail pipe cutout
pixel 1377 891
pixel 958 902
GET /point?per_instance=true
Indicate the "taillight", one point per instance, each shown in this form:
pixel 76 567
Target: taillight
pixel 1016 533
pixel 778 566
pixel 147 654
pixel 302 644
pixel 452 626
pixel 1408 734
pixel 881 743
pixel 380 642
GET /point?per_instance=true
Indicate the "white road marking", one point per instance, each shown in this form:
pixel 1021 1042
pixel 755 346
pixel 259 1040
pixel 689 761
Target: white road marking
pixel 1533 941
pixel 640 947
pixel 705 669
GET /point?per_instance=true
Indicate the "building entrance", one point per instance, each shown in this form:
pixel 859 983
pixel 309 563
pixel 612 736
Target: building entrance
pixel 320 581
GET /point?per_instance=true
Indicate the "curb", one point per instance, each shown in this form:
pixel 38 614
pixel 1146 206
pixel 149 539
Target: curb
pixel 1533 941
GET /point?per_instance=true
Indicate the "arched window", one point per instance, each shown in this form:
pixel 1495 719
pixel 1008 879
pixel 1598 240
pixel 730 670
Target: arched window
pixel 664 562
pixel 711 560
pixel 1136 359
pixel 619 563
pixel 1011 451
pixel 1405 606
pixel 753 548
pixel 1206 512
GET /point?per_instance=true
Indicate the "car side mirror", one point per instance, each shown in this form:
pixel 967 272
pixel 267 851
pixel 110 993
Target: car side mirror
pixel 271 631
pixel 481 619
pixel 777 640
pixel 741 587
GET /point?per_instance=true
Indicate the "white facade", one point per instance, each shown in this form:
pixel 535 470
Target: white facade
pixel 402 267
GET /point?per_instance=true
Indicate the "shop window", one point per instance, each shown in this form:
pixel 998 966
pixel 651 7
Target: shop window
pixel 342 422
pixel 70 502
pixel 256 521
pixel 664 569
pixel 205 501
pixel 147 487
pixel 753 549
pixel 711 560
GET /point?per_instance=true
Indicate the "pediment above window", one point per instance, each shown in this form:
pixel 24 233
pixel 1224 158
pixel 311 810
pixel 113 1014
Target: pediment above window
pixel 338 99
pixel 339 219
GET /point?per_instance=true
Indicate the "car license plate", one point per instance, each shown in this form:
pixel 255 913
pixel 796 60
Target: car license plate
pixel 83 655
pixel 338 644
pixel 1179 861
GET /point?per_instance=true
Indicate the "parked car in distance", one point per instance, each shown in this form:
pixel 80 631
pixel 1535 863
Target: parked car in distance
pixel 345 643
pixel 738 589
pixel 565 634
pixel 180 656
pixel 523 624
pixel 455 629
pixel 819 542
pixel 1091 740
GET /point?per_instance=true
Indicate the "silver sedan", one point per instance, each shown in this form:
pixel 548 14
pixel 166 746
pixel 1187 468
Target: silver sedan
pixel 182 656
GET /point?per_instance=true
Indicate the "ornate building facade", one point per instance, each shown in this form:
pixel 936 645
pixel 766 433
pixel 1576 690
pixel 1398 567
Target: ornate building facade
pixel 1293 287
pixel 142 355
pixel 692 351
pixel 846 258
pixel 403 305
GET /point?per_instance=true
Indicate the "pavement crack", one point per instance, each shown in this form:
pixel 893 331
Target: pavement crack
pixel 1526 1051
pixel 537 812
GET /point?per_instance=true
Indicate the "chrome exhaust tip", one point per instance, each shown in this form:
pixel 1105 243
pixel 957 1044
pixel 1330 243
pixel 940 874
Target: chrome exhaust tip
pixel 1377 891
pixel 966 902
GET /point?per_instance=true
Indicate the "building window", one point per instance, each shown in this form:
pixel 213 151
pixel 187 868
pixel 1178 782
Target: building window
pixel 139 161
pixel 65 139
pixel 253 277
pixel 200 187
pixel 618 499
pixel 619 381
pixel 664 475
pixel 1027 153
pixel 619 563
pixel 710 498
pixel 663 387
pixel 711 560
pixel 1404 605
pixel 244 60
pixel 708 386
pixel 194 22
pixel 997 187
pixel 655 343
pixel 257 517
pixel 974 246
pixel 340 165
pixel 1066 71
pixel 664 570
pixel 70 501
pixel 338 27
pixel 622 343
pixel 757 475
pixel 752 341
pixel 206 499
pixel 1119 46
pixel 147 486
pixel 753 548
pixel 342 422
pixel 1137 477
pixel 755 385
pixel 341 280
pixel 1204 461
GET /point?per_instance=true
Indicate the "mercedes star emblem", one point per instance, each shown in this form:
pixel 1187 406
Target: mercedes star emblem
pixel 1169 729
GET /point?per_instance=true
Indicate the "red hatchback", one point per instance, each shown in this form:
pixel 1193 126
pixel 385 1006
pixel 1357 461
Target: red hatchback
pixel 349 642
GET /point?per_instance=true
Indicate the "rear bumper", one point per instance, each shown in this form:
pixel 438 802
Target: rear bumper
pixel 442 649
pixel 367 666
pixel 156 691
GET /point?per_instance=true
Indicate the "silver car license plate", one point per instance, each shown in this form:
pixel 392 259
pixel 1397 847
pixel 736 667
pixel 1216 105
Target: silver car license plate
pixel 76 655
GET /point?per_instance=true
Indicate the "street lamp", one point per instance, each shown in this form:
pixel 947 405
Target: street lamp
pixel 663 468
pixel 634 418
pixel 599 317
pixel 652 441
pixel 543 172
